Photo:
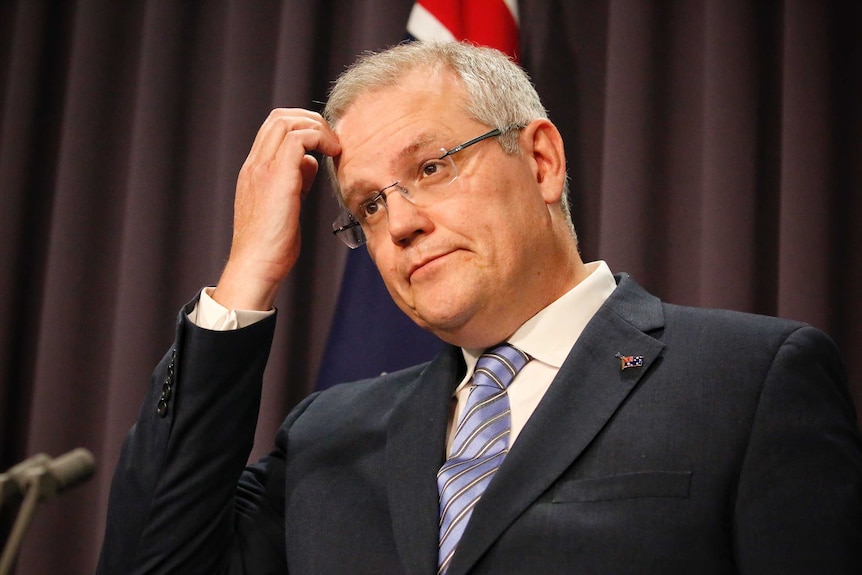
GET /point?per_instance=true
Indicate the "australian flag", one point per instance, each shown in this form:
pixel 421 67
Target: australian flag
pixel 627 361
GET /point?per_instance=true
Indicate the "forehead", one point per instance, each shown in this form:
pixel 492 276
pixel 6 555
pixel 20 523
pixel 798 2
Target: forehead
pixel 422 110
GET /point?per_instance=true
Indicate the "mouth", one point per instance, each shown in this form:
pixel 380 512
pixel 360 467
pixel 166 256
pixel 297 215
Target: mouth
pixel 425 265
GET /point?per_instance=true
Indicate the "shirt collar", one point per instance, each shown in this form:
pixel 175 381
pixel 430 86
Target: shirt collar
pixel 550 335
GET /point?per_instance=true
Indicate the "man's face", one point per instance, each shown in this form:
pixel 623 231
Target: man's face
pixel 471 267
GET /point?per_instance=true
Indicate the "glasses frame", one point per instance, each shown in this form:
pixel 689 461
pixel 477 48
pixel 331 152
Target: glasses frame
pixel 354 238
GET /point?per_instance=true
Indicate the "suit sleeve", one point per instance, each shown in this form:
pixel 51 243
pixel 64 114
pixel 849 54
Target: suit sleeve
pixel 174 505
pixel 799 499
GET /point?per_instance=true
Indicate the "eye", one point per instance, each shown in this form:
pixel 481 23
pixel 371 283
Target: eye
pixel 436 171
pixel 430 168
pixel 371 207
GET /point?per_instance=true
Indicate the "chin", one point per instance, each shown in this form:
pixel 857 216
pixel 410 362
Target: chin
pixel 437 321
pixel 444 321
pixel 443 308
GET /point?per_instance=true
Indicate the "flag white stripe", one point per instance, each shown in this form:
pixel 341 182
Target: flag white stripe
pixel 512 5
pixel 424 26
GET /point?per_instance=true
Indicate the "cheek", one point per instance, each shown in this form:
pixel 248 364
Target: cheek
pixel 385 261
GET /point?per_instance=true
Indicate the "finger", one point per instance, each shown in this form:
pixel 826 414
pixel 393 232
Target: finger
pixel 282 122
pixel 293 152
pixel 303 140
pixel 308 166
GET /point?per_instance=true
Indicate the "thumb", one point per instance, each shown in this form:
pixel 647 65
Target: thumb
pixel 308 166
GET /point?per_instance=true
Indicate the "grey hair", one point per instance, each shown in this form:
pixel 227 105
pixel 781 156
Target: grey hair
pixel 500 93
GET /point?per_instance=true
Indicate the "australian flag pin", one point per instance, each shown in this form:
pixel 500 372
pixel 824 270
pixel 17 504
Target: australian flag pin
pixel 627 361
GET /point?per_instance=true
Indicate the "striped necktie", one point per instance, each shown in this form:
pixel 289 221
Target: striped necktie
pixel 480 444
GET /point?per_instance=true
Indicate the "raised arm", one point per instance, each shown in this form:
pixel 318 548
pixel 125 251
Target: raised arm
pixel 175 506
pixel 272 183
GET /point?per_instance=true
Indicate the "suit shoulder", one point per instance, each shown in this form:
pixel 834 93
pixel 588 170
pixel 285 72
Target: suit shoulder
pixel 735 322
pixel 728 330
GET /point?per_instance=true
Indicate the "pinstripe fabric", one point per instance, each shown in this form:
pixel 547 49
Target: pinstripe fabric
pixel 480 444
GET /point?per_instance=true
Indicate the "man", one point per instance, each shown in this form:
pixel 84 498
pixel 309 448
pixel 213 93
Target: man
pixel 635 436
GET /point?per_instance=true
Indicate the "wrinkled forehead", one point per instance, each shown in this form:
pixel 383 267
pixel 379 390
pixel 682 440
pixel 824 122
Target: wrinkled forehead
pixel 400 163
pixel 386 127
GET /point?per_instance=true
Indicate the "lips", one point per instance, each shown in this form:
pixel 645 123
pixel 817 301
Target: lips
pixel 419 264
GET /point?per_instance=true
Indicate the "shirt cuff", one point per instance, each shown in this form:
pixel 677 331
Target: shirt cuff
pixel 209 314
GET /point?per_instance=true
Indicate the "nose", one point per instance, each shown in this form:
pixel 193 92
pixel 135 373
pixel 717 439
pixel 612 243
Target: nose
pixel 406 221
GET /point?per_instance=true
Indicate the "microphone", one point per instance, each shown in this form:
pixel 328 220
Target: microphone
pixel 39 478
pixel 51 476
pixel 13 482
pixel 62 473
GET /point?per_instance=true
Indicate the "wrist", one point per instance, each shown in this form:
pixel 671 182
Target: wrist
pixel 242 290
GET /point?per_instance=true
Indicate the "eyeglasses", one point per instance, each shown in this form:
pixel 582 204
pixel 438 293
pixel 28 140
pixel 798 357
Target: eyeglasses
pixel 428 184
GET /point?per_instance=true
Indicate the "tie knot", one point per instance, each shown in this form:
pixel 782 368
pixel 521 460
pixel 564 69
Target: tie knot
pixel 498 366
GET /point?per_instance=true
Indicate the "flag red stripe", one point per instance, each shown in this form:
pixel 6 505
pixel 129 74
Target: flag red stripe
pixel 486 22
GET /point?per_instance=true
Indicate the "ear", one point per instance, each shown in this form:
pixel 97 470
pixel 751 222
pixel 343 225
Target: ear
pixel 543 145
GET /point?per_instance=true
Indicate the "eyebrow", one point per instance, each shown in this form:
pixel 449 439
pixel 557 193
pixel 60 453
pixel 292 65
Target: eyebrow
pixel 364 187
pixel 360 188
pixel 420 141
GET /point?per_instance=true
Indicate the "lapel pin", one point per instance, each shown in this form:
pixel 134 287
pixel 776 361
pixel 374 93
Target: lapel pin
pixel 627 361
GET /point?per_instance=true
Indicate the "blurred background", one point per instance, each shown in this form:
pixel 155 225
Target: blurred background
pixel 714 147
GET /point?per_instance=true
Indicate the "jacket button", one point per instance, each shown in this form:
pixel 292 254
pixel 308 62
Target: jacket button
pixel 162 408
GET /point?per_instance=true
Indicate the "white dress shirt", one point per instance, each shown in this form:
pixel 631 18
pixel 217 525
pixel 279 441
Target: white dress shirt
pixel 548 337
pixel 210 314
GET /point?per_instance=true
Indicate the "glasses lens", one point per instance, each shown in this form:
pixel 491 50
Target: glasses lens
pixel 436 173
pixel 348 230
pixel 429 184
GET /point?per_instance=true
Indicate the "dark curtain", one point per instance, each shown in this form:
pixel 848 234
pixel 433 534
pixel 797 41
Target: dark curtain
pixel 715 150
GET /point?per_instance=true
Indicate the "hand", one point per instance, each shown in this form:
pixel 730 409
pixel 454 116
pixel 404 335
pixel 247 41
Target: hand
pixel 272 183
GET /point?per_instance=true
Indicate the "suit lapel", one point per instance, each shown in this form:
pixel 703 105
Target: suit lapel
pixel 587 391
pixel 415 450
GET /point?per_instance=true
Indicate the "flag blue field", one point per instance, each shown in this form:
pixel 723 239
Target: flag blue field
pixel 370 335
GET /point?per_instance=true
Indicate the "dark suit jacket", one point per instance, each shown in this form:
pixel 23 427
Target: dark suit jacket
pixel 733 449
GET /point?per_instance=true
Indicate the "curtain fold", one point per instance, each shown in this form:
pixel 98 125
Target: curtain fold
pixel 714 148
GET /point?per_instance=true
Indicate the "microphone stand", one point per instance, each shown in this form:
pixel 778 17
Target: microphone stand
pixel 22 521
pixel 40 479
